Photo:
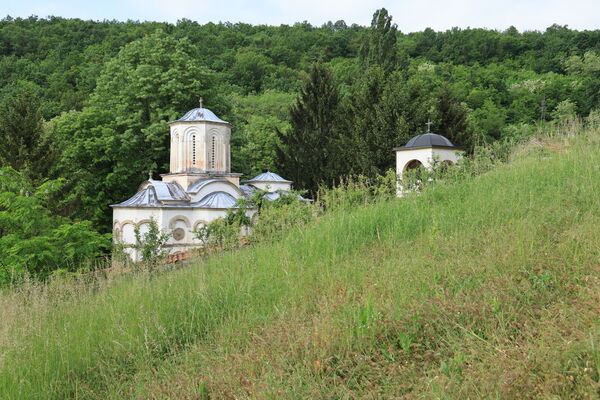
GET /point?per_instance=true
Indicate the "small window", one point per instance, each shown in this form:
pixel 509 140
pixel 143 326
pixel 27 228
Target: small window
pixel 212 155
pixel 194 150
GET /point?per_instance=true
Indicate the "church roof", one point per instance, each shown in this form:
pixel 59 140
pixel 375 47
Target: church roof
pixel 199 115
pixel 247 190
pixel 217 200
pixel 155 193
pixel 428 140
pixel 168 191
pixel 268 177
pixel 143 198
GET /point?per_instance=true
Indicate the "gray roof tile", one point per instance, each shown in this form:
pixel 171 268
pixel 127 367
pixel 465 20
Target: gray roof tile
pixel 268 177
pixel 428 140
pixel 200 114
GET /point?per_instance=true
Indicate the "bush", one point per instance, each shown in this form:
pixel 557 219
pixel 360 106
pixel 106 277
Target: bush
pixel 274 218
pixel 220 233
pixel 150 245
pixel 358 191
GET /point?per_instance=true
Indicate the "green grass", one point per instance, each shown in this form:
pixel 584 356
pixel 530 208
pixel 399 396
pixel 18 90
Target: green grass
pixel 485 289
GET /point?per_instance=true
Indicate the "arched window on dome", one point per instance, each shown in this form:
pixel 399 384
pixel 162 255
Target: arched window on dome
pixel 193 150
pixel 212 151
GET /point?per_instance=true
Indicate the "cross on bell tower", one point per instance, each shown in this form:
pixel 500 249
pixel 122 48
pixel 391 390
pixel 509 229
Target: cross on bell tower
pixel 428 125
pixel 201 110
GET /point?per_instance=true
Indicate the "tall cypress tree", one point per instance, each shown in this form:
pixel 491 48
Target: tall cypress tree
pixel 305 155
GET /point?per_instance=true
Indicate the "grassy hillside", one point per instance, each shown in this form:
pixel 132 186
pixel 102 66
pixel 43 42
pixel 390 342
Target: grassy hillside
pixel 485 289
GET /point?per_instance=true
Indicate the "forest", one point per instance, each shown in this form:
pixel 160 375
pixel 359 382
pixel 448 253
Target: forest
pixel 84 106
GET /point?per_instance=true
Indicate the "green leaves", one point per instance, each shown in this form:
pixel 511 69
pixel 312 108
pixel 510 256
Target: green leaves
pixel 32 240
pixel 379 44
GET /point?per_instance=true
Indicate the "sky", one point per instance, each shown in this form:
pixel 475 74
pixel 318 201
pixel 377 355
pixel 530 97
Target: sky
pixel 409 15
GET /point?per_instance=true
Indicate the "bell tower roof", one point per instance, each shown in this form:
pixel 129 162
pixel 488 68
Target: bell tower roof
pixel 200 115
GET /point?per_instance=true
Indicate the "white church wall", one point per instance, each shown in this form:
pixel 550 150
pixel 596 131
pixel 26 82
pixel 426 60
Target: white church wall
pixel 127 218
pixel 425 157
pixel 127 232
pixel 188 219
pixel 447 155
pixel 403 157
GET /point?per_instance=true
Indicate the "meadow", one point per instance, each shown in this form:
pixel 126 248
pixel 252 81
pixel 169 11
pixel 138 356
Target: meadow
pixel 486 286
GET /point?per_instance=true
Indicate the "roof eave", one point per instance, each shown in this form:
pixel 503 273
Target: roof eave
pixel 202 120
pixel 179 207
pixel 290 182
pixel 402 148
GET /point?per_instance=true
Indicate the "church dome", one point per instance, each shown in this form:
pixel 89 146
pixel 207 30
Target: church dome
pixel 428 140
pixel 200 115
pixel 268 177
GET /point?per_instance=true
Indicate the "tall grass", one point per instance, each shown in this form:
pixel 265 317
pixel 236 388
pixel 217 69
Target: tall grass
pixel 483 289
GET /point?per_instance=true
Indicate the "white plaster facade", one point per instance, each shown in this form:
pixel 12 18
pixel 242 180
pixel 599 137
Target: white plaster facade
pixel 425 157
pixel 198 189
pixel 423 150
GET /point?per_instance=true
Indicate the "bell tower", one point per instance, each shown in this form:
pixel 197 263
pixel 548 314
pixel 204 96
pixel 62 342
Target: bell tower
pixel 200 148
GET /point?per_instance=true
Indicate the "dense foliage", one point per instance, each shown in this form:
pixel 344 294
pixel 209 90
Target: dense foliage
pixel 87 101
pixel 33 242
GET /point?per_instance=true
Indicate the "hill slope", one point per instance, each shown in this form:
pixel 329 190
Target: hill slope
pixel 487 289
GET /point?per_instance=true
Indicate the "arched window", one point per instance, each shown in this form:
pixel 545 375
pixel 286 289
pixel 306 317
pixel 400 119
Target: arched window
pixel 194 150
pixel 212 152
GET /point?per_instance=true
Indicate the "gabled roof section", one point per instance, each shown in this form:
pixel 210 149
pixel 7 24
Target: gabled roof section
pixel 268 177
pixel 155 194
pixel 143 198
pixel 168 191
pixel 247 190
pixel 200 115
pixel 428 140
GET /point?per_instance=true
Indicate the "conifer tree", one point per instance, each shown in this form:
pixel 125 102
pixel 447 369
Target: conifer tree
pixel 24 146
pixel 361 122
pixel 306 150
pixel 453 118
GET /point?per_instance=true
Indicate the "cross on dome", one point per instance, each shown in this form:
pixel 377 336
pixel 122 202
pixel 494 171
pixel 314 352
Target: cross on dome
pixel 428 125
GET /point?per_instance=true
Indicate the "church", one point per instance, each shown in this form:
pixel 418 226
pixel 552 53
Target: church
pixel 198 189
